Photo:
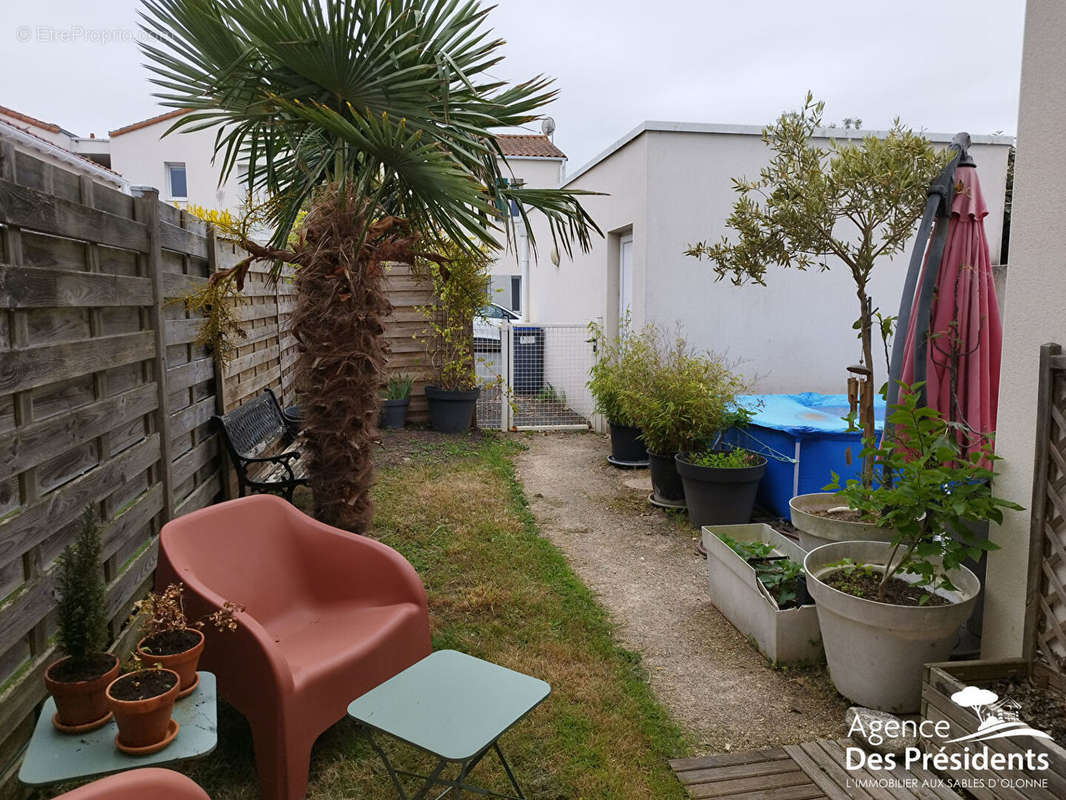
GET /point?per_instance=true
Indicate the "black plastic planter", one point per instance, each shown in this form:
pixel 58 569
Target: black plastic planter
pixel 394 413
pixel 451 412
pixel 718 496
pixel 665 482
pixel 627 448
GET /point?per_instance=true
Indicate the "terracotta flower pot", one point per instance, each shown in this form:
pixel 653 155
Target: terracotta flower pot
pixel 143 723
pixel 183 663
pixel 80 705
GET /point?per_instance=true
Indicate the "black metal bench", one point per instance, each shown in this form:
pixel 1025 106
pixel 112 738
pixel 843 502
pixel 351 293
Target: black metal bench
pixel 263 447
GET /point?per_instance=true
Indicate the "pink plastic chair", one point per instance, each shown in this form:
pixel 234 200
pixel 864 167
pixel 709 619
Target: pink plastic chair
pixel 328 616
pixel 138 784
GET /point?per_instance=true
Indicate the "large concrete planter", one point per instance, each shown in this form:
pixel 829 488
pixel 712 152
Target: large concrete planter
pixel 816 530
pixel 784 636
pixel 876 651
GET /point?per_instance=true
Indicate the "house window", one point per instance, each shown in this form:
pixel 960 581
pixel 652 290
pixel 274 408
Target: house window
pixel 177 182
pixel 516 293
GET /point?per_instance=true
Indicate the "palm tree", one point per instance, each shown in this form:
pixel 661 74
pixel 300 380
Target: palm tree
pixel 376 117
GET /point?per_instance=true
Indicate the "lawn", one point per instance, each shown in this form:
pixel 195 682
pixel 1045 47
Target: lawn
pixel 499 591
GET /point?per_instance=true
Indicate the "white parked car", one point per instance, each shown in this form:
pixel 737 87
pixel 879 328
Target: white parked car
pixel 488 322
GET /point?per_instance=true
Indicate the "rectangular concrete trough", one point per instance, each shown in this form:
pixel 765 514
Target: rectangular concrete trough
pixel 784 636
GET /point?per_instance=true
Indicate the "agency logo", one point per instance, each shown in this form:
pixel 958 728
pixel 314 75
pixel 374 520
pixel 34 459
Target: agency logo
pixel 998 717
pixel 941 752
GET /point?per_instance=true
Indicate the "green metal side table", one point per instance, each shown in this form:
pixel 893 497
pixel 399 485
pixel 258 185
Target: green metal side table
pixel 54 757
pixel 454 707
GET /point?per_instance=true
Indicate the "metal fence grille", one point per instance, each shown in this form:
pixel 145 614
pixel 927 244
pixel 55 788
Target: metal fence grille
pixel 533 377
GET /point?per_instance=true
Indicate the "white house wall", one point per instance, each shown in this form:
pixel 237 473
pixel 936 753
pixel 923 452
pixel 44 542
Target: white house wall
pixel 577 290
pixel 1036 297
pixel 794 334
pixel 141 155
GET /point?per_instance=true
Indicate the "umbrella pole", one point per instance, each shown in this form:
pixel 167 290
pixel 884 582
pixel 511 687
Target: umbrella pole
pixel 938 208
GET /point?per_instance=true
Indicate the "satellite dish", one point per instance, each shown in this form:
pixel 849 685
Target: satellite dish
pixel 547 126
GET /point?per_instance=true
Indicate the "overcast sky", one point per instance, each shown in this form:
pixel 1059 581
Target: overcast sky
pixel 939 66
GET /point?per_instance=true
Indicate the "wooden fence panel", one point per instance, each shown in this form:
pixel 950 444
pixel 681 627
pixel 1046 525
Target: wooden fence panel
pixel 404 330
pixel 105 402
pixel 106 398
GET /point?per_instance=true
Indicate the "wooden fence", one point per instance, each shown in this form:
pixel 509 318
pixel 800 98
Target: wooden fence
pixel 106 400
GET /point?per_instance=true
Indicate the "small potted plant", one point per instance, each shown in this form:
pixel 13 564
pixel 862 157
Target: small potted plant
pixel 619 362
pixel 170 640
pixel 720 484
pixel 142 702
pixel 397 399
pixel 888 608
pixel 460 283
pixel 78 682
pixel 683 400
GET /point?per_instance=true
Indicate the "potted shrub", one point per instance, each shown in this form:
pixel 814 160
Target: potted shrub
pixel 619 363
pixel 683 400
pixel 852 204
pixel 720 484
pixel 397 399
pixel 142 702
pixel 460 283
pixel 78 681
pixel 755 578
pixel 170 640
pixel 888 608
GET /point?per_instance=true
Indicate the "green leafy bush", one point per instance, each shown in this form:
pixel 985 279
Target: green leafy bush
pixel 928 491
pixel 398 387
pixel 81 595
pixel 620 364
pixel 460 283
pixel 681 399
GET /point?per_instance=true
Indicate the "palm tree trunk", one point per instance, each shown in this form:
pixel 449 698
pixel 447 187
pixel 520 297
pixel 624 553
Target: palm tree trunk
pixel 338 321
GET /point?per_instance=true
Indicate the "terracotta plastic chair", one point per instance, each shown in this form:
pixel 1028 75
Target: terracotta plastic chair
pixel 328 616
pixel 138 784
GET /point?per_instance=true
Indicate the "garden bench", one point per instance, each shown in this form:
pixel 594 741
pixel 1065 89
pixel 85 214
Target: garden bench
pixel 264 447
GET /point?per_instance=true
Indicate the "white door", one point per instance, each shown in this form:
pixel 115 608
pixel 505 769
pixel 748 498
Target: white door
pixel 625 277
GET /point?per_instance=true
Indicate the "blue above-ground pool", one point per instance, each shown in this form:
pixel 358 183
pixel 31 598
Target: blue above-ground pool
pixel 804 438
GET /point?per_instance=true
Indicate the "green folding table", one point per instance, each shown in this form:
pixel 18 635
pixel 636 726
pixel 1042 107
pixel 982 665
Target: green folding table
pixel 454 707
pixel 54 757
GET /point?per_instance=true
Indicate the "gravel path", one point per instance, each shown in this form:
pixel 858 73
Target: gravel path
pixel 642 564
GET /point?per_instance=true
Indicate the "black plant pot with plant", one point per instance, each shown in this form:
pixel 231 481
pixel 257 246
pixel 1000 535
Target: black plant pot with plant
pixel 666 485
pixel 397 400
pixel 451 411
pixel 720 485
pixel 627 446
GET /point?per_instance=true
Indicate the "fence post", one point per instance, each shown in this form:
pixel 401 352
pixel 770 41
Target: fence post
pixel 148 213
pixel 507 373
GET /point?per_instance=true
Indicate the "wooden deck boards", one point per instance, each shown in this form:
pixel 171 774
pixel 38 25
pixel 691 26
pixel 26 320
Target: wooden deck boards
pixel 808 771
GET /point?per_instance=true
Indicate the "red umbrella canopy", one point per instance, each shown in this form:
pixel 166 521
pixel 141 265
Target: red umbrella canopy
pixel 963 345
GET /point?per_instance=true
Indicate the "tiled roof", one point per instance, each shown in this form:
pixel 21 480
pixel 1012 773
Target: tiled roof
pixel 47 126
pixel 144 123
pixel 528 145
pixel 533 145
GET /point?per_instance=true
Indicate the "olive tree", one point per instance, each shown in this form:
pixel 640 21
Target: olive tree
pixel 851 204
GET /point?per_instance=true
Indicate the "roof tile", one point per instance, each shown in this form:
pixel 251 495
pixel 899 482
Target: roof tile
pixel 533 145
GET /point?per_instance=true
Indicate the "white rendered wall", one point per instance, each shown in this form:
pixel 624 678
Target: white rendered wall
pixel 794 334
pixel 579 290
pixel 1036 298
pixel 140 156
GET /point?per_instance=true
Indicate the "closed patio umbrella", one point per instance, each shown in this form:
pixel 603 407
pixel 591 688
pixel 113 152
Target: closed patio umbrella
pixel 953 333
